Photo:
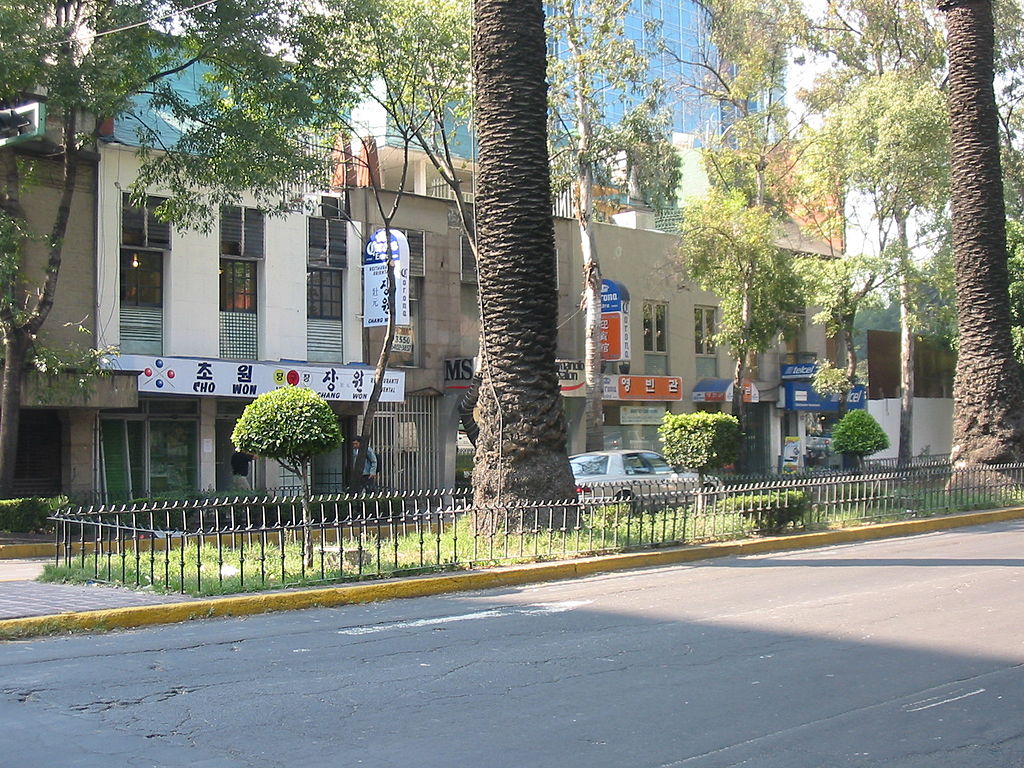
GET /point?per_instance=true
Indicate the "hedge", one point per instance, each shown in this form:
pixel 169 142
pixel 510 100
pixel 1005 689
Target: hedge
pixel 28 515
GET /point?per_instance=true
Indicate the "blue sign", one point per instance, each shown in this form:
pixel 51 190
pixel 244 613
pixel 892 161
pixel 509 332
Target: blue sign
pixel 801 396
pixel 798 371
pixel 376 251
pixel 614 296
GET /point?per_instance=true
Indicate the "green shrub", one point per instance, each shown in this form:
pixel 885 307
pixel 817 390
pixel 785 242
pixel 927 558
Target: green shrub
pixel 858 434
pixel 700 441
pixel 290 424
pixel 770 512
pixel 28 515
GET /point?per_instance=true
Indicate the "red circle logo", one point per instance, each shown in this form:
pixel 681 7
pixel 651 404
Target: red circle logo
pixel 170 374
pixel 293 378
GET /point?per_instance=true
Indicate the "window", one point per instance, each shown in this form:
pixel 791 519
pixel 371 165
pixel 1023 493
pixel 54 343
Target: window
pixel 142 278
pixel 237 285
pixel 328 234
pixel 141 227
pixel 323 295
pixel 655 327
pixel 704 330
pixel 241 232
pixel 704 342
pixel 417 250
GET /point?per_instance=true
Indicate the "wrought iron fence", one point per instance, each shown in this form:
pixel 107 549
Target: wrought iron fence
pixel 225 545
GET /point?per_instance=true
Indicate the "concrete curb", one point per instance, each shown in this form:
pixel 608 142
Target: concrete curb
pixel 24 551
pixel 289 600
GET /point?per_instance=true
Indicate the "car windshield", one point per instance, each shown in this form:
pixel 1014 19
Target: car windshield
pixel 658 465
pixel 589 465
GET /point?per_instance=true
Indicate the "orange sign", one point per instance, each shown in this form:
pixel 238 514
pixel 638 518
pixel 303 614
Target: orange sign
pixel 658 388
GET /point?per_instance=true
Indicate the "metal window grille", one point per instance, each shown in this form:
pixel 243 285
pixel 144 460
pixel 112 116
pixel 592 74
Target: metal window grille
pixel 407 439
pixel 238 339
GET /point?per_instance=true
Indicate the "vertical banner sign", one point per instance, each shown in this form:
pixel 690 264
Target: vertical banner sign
pixel 375 279
pixel 614 321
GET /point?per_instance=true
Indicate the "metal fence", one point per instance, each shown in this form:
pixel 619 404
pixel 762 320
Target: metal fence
pixel 259 542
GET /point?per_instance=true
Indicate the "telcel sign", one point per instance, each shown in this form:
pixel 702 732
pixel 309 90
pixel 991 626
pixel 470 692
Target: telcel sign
pixel 614 321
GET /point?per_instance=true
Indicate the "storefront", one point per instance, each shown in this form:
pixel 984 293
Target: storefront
pixel 634 407
pixel 178 439
pixel 809 418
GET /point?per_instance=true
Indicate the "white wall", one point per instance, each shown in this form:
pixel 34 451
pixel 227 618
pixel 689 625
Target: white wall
pixel 932 425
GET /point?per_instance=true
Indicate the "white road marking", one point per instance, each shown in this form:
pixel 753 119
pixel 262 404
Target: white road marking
pixel 915 708
pixel 493 613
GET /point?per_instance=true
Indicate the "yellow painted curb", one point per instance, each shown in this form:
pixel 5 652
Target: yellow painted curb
pixel 21 551
pixel 265 602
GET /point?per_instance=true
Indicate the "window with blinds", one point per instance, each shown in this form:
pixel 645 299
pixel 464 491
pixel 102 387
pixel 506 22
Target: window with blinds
pixel 242 232
pixel 327 234
pixel 141 227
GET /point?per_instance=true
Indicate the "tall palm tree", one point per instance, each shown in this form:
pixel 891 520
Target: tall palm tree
pixel 988 414
pixel 520 453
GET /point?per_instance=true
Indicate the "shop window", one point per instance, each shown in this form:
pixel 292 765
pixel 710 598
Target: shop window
pixel 149 457
pixel 242 232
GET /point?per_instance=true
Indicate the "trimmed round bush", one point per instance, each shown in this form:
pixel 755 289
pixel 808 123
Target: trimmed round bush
pixel 858 433
pixel 290 424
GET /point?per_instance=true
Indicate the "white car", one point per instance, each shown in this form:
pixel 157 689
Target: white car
pixel 624 473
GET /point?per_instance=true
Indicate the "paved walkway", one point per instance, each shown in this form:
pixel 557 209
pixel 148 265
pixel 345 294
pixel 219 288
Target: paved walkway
pixel 21 596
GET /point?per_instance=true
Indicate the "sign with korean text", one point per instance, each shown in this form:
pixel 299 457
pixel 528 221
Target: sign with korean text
pixel 376 305
pixel 615 338
pixel 221 378
pixel 656 388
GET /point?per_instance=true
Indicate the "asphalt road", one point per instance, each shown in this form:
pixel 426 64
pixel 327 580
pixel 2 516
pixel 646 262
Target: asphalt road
pixel 899 653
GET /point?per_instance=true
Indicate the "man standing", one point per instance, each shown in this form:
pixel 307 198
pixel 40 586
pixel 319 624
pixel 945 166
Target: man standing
pixel 366 481
pixel 240 464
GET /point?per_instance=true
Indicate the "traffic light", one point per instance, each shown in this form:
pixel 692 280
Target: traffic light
pixel 22 123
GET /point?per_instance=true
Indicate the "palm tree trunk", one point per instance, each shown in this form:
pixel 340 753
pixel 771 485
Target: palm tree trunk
pixel 988 411
pixel 520 453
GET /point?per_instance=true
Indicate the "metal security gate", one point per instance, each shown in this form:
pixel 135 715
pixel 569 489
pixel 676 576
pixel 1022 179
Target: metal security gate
pixel 407 439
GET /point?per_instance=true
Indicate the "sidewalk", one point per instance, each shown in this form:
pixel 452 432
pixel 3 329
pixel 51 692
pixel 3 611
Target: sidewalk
pixel 29 608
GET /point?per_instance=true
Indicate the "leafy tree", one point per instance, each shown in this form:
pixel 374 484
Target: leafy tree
pixel 882 145
pixel 701 441
pixel 728 242
pixel 858 434
pixel 520 452
pixel 730 248
pixel 988 411
pixel 409 63
pixel 290 425
pixel 96 60
pixel 593 64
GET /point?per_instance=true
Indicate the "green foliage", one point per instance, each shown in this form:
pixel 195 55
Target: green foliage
pixel 858 433
pixel 770 512
pixel 700 441
pixel 28 515
pixel 730 248
pixel 289 424
pixel 829 380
